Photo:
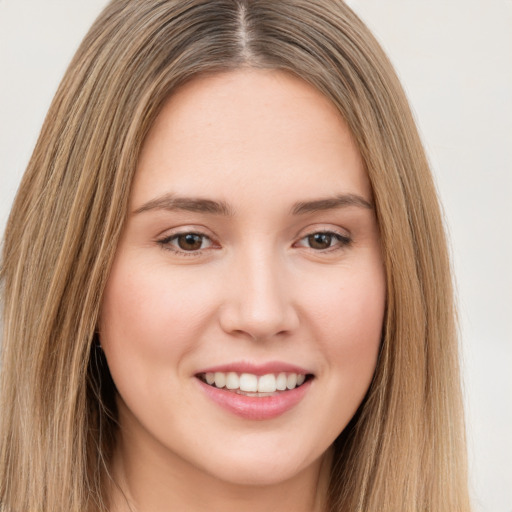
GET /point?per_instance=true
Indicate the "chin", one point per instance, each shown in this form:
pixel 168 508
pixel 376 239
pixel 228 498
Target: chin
pixel 261 473
pixel 265 467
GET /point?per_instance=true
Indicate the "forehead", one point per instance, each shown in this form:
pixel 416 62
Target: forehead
pixel 249 129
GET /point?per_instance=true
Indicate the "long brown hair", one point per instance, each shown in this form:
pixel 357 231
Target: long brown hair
pixel 404 450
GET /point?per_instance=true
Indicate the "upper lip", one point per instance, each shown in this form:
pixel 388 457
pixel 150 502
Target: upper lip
pixel 256 368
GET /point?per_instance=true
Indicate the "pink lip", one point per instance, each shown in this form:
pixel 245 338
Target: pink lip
pixel 256 408
pixel 252 407
pixel 256 369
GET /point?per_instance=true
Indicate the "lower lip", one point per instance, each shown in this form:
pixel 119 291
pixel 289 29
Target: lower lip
pixel 256 408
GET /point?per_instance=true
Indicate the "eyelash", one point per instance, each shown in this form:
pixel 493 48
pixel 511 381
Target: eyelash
pixel 166 243
pixel 341 240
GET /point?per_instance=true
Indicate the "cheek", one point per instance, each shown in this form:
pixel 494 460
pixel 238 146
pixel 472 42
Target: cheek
pixel 344 320
pixel 347 315
pixel 152 314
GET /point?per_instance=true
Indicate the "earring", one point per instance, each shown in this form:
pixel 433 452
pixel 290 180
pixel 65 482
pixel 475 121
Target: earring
pixel 97 341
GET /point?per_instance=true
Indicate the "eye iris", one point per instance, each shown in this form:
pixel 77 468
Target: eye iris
pixel 320 241
pixel 190 242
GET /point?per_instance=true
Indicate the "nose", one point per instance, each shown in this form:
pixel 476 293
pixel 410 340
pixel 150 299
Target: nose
pixel 259 302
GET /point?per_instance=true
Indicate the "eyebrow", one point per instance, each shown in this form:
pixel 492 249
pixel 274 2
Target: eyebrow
pixel 331 203
pixel 170 202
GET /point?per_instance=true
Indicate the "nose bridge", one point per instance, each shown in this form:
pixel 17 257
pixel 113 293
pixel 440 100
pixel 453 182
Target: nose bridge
pixel 260 302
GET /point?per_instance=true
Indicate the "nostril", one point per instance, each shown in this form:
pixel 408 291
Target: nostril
pixel 258 324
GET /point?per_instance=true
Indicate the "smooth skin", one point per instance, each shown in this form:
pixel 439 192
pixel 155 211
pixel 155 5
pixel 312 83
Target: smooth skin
pixel 251 237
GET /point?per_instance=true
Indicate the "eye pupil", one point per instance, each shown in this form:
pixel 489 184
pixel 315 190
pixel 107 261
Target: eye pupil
pixel 190 242
pixel 320 240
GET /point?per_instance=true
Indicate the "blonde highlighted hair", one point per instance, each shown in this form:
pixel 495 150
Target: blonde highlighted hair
pixel 404 450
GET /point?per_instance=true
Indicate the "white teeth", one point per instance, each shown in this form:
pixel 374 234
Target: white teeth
pixel 250 383
pixel 220 379
pixel 291 381
pixel 232 381
pixel 281 382
pixel 267 384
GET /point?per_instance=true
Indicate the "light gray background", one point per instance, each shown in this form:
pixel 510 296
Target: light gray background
pixel 455 60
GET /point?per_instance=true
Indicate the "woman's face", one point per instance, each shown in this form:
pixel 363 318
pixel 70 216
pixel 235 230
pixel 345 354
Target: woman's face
pixel 250 260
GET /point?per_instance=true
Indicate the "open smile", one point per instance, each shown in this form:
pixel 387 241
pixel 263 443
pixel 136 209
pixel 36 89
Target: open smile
pixel 256 393
pixel 249 384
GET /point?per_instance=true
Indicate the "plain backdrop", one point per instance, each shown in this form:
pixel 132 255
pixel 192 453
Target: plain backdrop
pixel 454 58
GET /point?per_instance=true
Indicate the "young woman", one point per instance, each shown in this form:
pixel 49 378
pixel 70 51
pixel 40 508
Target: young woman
pixel 226 284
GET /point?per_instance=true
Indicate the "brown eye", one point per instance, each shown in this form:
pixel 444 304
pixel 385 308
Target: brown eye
pixel 324 241
pixel 186 243
pixel 320 240
pixel 189 241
